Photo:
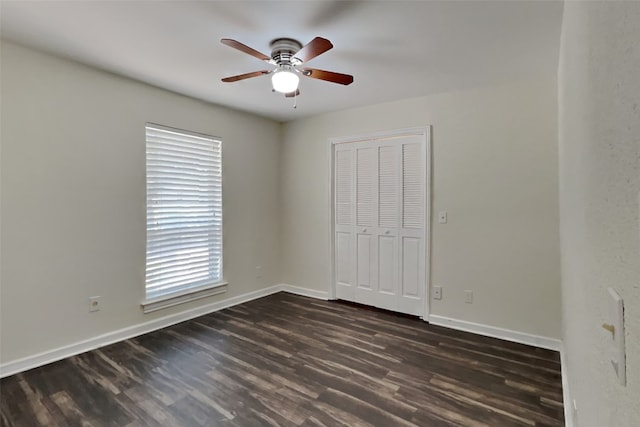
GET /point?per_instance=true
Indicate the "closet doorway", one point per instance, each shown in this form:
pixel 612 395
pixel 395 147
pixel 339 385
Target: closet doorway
pixel 380 219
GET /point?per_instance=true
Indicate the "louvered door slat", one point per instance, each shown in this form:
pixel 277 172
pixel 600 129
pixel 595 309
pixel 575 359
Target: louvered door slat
pixel 387 187
pixel 344 182
pixel 412 186
pixel 365 168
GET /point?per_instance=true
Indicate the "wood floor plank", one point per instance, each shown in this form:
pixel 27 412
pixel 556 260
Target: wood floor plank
pixel 287 360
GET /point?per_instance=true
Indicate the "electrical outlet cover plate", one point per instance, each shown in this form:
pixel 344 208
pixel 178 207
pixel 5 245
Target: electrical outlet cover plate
pixel 468 297
pixel 94 304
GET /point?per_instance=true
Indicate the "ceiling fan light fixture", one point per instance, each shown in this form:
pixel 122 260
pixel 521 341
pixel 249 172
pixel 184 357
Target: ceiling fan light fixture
pixel 285 81
pixel 287 55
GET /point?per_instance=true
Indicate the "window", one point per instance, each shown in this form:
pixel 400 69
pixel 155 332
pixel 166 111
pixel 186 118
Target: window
pixel 184 216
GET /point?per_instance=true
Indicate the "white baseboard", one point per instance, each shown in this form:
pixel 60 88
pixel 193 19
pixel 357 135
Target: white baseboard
pixel 54 355
pixel 60 353
pixel 50 356
pixel 566 395
pixel 304 291
pixel 492 331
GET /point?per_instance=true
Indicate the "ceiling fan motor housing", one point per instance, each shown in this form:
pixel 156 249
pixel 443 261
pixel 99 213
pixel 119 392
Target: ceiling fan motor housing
pixel 282 51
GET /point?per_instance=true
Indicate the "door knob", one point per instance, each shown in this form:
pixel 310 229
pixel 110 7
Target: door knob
pixel 386 232
pixel 364 230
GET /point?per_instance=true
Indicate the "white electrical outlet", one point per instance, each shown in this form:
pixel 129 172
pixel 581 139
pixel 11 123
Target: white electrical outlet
pixel 468 297
pixel 258 272
pixel 437 292
pixel 94 304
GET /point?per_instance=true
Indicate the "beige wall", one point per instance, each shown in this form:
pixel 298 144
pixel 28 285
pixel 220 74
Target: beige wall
pixel 495 171
pixel 599 107
pixel 73 214
pixel 73 198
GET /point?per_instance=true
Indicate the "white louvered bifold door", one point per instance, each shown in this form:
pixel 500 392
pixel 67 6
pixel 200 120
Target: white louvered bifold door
pixel 344 204
pixel 411 243
pixel 366 220
pixel 380 252
pixel 389 197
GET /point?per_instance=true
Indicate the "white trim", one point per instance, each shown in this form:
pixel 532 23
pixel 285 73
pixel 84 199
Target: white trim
pixel 54 355
pixel 188 295
pixel 495 332
pixel 312 293
pixel 428 176
pixel 566 395
pixel 331 152
pixel 381 135
pixel 428 179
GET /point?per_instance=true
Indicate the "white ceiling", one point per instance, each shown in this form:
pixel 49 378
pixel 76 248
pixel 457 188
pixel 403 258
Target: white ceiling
pixel 395 49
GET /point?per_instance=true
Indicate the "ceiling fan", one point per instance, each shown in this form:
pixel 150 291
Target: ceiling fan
pixel 288 57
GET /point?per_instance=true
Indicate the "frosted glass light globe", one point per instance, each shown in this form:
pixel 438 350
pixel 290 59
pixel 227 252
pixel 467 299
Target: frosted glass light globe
pixel 285 81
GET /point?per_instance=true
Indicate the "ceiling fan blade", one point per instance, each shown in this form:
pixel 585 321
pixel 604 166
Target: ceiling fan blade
pixel 312 49
pixel 244 48
pixel 292 94
pixel 245 76
pixel 330 76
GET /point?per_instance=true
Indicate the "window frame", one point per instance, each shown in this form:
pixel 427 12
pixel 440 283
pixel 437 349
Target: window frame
pixel 200 288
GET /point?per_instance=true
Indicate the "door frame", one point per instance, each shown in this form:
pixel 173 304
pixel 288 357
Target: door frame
pixel 424 132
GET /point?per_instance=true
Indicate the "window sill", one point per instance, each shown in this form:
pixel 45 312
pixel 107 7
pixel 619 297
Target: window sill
pixel 154 304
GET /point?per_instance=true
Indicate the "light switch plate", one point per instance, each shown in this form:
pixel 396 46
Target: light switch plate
pixel 616 316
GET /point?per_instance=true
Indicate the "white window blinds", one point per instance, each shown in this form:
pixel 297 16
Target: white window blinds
pixel 184 211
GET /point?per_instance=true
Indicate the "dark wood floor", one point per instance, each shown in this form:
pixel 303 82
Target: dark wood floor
pixel 286 360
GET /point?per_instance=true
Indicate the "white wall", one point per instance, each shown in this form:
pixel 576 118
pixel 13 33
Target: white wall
pixel 599 107
pixel 73 198
pixel 495 171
